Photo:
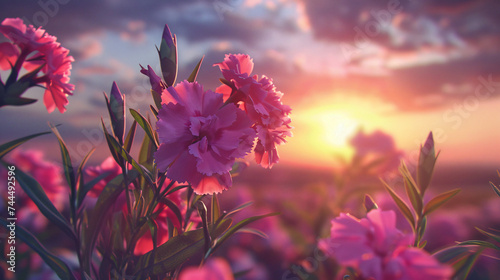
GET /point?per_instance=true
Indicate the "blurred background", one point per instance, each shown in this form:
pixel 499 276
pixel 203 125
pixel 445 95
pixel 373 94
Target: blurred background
pixel 367 81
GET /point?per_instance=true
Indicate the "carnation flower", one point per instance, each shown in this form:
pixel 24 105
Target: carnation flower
pixel 378 250
pixel 37 48
pixel 262 102
pixel 200 138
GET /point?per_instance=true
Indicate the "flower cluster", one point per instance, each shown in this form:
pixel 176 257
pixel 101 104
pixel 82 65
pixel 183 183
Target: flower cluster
pixel 36 51
pixel 262 102
pixel 378 250
pixel 202 133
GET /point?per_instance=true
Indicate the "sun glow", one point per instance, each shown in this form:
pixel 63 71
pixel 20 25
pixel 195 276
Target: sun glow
pixel 324 126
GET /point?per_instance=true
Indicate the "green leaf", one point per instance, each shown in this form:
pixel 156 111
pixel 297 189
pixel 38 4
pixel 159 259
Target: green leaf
pixel 495 188
pixel 118 150
pixel 156 98
pixel 80 175
pixel 130 137
pixel 84 189
pixel 464 269
pixel 439 200
pixel 9 146
pixel 426 162
pixel 69 172
pixel 146 153
pixel 411 189
pixel 202 211
pixel 254 232
pixel 369 203
pixel 490 235
pixel 194 74
pixel 98 215
pixel 154 111
pixel 237 227
pixel 145 125
pixel 18 101
pixel 58 266
pixel 481 243
pixel 171 254
pixel 405 210
pixel 451 254
pixel 215 209
pixel 33 189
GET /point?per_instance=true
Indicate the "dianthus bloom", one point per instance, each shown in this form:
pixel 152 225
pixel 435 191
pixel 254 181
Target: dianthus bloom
pixel 32 48
pixel 200 138
pixel 261 101
pixel 378 250
pixel 214 269
pixel 47 174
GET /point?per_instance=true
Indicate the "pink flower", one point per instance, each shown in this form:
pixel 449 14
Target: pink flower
pixel 47 174
pixel 378 250
pixel 109 166
pixel 200 138
pixel 8 55
pixel 156 83
pixel 42 49
pixel 262 102
pixel 56 78
pixel 214 269
pixel 27 38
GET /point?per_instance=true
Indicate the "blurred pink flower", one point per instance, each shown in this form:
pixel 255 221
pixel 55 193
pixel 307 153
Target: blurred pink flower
pixel 109 166
pixel 377 249
pixel 47 174
pixel 200 138
pixel 262 102
pixel 42 49
pixel 214 269
pixel 8 55
pixel 377 145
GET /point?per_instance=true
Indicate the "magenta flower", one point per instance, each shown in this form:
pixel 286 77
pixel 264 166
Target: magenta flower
pixel 200 138
pixel 108 166
pixel 262 102
pixel 378 250
pixel 8 55
pixel 214 269
pixel 37 48
pixel 156 83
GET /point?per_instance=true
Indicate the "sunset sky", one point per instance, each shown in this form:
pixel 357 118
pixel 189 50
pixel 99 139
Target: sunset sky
pixel 403 67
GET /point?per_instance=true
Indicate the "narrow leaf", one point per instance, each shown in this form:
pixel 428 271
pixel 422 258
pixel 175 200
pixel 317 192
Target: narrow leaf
pixel 451 254
pixel 405 210
pixel 215 209
pixel 369 203
pixel 495 188
pixel 194 74
pixel 202 211
pixel 490 235
pixel 411 189
pixel 117 149
pixel 237 227
pixel 145 125
pixel 439 200
pixel 9 146
pixel 69 172
pixel 171 254
pixel 80 175
pixel 129 140
pixel 57 265
pixel 481 243
pixel 33 189
pixel 463 272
